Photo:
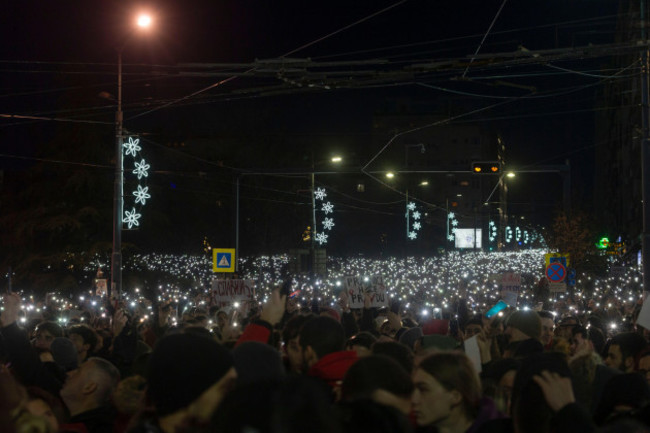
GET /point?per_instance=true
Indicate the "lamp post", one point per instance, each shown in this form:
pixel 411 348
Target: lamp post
pixel 143 22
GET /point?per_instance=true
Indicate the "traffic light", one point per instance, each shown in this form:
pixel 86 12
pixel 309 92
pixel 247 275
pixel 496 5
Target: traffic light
pixel 486 167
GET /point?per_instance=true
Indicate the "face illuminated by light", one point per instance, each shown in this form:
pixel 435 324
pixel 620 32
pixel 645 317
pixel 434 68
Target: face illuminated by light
pixel 40 408
pixel 432 403
pixel 615 358
pixel 294 354
pixel 548 326
pixel 580 345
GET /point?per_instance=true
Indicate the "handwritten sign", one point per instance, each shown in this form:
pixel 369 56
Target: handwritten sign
pixel 356 287
pixel 226 292
pixel 511 282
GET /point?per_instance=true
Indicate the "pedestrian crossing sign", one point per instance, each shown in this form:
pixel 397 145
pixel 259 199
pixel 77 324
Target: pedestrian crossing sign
pixel 223 260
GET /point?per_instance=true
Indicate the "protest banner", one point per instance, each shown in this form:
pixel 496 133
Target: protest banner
pixel 356 287
pixel 227 292
pixel 511 282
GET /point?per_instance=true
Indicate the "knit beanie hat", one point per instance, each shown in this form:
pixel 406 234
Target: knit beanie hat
pixel 181 368
pixel 527 321
pixel 257 362
pixel 410 336
pixel 64 353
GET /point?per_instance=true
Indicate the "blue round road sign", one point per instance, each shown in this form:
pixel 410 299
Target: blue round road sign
pixel 556 272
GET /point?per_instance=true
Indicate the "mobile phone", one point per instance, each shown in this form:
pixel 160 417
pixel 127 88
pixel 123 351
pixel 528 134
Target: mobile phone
pixel 395 307
pixel 285 290
pixel 497 307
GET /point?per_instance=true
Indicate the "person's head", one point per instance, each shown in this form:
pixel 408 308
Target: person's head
pixel 622 393
pixel 361 343
pixel 320 336
pixel 522 325
pixel 587 340
pixel 446 388
pixel 472 327
pixel 182 368
pixel 43 404
pixel 622 351
pixel 410 337
pixel 84 339
pixel 378 377
pixel 565 327
pixel 64 353
pixel 44 334
pixel 90 386
pixel 497 381
pixel 291 346
pixel 530 412
pixel 399 352
pixel 257 362
pixel 548 326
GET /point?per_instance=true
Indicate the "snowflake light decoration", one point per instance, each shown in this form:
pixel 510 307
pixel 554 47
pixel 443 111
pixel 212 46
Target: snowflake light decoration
pixel 131 148
pixel 328 222
pixel 131 218
pixel 327 208
pixel 142 194
pixel 141 169
pixel 452 222
pixel 509 234
pixel 320 194
pixel 412 229
pixel 321 238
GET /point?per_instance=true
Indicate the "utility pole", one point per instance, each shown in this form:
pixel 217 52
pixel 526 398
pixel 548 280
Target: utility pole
pixel 645 149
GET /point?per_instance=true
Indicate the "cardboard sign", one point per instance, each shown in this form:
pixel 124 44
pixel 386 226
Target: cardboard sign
pixel 356 287
pixel 101 287
pixel 473 352
pixel 511 282
pixel 226 292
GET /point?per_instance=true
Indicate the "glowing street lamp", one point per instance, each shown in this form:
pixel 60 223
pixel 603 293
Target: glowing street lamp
pixel 144 21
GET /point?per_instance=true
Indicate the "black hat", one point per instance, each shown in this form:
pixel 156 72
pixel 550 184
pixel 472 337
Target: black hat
pixel 181 368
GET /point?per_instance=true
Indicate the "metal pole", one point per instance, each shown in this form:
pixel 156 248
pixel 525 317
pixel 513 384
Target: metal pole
pixel 118 196
pixel 645 151
pixel 237 225
pixel 313 213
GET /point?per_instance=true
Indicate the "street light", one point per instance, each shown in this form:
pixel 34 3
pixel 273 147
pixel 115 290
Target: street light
pixel 143 21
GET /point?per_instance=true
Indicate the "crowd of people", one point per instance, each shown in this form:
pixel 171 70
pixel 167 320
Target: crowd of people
pixel 290 367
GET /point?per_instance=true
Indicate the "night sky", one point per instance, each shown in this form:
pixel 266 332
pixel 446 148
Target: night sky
pixel 58 56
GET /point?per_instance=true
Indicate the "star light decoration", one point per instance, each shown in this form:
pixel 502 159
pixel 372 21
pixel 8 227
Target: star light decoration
pixel 452 224
pixel 131 147
pixel 328 222
pixel 412 229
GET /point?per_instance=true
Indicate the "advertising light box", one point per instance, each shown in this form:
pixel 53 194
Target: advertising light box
pixel 465 238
